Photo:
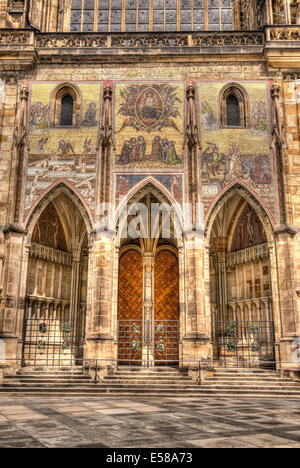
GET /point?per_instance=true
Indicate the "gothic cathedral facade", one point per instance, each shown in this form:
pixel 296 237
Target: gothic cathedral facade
pixel 150 182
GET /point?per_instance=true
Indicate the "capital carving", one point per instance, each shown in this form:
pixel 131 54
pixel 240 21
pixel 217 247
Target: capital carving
pixel 24 93
pixel 107 94
pixel 276 91
pixel 190 92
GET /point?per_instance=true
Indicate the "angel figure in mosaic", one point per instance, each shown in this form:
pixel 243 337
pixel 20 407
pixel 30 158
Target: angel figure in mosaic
pixel 65 148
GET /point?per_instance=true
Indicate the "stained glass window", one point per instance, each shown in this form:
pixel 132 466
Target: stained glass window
pixel 233 112
pixel 150 15
pixel 67 111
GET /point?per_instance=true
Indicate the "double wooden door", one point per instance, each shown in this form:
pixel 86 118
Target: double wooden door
pixel 141 339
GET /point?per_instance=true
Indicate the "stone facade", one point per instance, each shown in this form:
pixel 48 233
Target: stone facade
pixel 202 116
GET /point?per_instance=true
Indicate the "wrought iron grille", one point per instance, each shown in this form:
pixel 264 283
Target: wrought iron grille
pixel 233 111
pixel 51 341
pixel 244 344
pixel 148 341
pixel 67 104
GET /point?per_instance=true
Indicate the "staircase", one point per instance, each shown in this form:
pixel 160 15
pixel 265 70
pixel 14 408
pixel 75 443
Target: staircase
pixel 153 382
pixel 249 383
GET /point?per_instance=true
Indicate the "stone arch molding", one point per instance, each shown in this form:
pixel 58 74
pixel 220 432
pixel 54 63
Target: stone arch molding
pixel 150 184
pixel 60 188
pixel 240 93
pixel 139 191
pixel 238 188
pixel 56 97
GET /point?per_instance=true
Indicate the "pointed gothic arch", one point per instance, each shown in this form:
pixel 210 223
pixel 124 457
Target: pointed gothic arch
pixel 240 237
pixel 150 187
pixel 53 193
pixel 144 186
pixel 59 230
pixel 248 195
pixel 153 260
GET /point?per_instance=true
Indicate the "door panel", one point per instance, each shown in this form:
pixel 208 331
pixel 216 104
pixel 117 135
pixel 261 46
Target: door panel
pixel 130 307
pixel 166 306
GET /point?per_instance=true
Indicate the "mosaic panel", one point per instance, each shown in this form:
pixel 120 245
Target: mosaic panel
pixel 236 153
pixel 149 125
pixel 62 152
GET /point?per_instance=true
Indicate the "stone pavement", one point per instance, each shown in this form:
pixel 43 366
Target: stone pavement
pixel 153 423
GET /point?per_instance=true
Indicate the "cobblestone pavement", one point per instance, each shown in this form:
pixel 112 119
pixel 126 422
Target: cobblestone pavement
pixel 154 423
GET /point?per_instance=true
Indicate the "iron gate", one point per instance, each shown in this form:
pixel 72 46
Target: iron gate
pixel 244 344
pixel 52 341
pixel 148 342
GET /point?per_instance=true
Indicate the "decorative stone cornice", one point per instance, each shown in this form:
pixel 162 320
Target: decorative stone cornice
pixel 291 76
pixel 228 39
pixel 11 77
pixel 48 47
pixel 284 33
pixel 16 37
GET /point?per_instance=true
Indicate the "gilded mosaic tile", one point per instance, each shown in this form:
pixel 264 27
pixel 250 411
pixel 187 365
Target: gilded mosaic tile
pixel 149 125
pixel 236 154
pixel 62 153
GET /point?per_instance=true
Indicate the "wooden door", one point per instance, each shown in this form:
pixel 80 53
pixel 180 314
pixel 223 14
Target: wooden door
pixel 130 307
pixel 166 307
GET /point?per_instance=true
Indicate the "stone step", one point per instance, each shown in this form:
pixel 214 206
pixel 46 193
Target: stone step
pixel 100 385
pixel 188 393
pixel 149 372
pixel 243 371
pixel 244 379
pixel 251 383
pixel 245 376
pixel 52 381
pixel 95 389
pixel 148 376
pixel 54 369
pixel 226 387
pixel 53 374
pixel 47 376
pixel 203 394
pixel 166 381
pixel 147 387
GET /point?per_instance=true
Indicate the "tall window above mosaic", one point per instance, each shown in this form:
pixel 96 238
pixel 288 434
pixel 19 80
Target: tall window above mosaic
pixel 150 15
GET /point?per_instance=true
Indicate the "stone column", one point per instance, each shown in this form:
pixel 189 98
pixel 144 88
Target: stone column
pixel 100 339
pixel 13 297
pixel 269 12
pixel 75 292
pixel 289 325
pixel 221 245
pixel 196 340
pixel 148 306
pixel 287 11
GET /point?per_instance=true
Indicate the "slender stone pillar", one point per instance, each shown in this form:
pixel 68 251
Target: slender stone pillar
pixel 13 302
pixel 148 307
pixel 100 339
pixel 288 301
pixel 196 340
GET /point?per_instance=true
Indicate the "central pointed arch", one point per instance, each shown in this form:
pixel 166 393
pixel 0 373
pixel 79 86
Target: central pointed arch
pixel 151 259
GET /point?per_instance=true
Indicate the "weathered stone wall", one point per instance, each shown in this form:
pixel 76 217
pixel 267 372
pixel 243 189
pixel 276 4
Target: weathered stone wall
pixel 204 64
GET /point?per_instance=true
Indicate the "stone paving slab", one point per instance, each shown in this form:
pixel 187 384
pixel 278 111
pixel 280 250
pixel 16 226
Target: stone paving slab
pixel 149 423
